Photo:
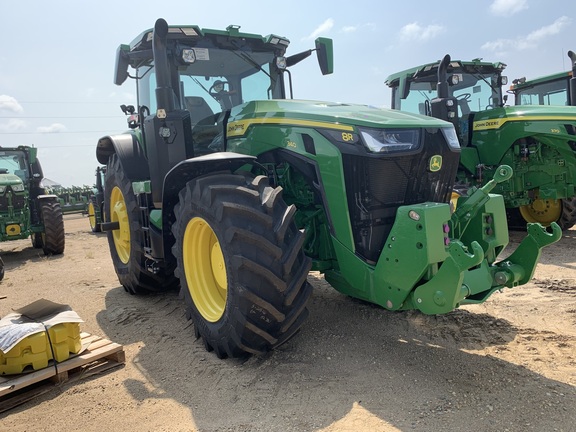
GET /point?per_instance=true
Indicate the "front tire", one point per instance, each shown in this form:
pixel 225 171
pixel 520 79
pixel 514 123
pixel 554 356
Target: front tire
pixel 53 237
pixel 37 241
pixel 240 262
pixel 127 243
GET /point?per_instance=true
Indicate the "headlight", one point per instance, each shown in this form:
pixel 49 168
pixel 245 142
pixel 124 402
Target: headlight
pixel 451 137
pixel 390 140
pixel 18 187
pixel 2 189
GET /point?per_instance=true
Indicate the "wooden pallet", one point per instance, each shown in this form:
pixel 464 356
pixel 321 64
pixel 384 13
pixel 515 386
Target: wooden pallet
pixel 100 355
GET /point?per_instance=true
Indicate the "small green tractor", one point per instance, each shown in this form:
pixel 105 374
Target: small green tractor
pixel 96 202
pixel 555 89
pixel 227 187
pixel 25 209
pixel 538 142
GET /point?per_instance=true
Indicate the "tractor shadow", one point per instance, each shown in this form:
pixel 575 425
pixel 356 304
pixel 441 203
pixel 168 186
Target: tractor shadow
pixel 405 371
pixel 16 255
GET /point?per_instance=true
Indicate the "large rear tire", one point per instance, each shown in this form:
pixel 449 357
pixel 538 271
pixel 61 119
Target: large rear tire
pixel 53 237
pixel 240 262
pixel 127 242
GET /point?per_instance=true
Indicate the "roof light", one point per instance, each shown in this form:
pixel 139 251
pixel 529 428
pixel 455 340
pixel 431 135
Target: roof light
pixel 188 56
pixel 281 62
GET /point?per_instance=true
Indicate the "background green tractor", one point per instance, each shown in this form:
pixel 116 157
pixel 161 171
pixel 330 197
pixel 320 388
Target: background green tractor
pixel 25 209
pixel 227 188
pixel 555 89
pixel 538 142
pixel 96 202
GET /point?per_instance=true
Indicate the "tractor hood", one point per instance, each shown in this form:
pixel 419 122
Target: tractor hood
pixel 319 113
pixel 10 180
pixel 496 118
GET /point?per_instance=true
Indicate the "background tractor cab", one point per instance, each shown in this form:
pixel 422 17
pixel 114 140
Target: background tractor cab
pixel 555 89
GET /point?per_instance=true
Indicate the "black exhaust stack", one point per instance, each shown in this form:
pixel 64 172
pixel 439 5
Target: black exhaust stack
pixel 444 106
pixel 168 131
pixel 572 56
pixel 164 91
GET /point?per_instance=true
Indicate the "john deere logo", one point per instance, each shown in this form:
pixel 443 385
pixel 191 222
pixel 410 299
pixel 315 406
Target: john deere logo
pixel 435 163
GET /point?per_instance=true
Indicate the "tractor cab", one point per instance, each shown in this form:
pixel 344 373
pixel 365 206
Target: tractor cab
pixel 471 86
pixel 208 73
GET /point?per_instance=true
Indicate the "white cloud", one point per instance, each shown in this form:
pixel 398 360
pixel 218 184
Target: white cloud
pixel 508 7
pixel 415 31
pixel 323 28
pixel 354 28
pixel 88 92
pixel 8 103
pixel 13 125
pixel 53 128
pixel 531 41
pixel 552 29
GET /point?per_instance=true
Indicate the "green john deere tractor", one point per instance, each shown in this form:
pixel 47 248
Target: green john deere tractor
pixel 555 89
pixel 538 142
pixel 96 201
pixel 25 209
pixel 226 187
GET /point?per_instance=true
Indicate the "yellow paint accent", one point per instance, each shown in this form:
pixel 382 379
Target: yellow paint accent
pixel 544 211
pixel 92 215
pixel 119 213
pixel 205 269
pixel 497 123
pixel 239 128
pixel 435 163
pixel 13 229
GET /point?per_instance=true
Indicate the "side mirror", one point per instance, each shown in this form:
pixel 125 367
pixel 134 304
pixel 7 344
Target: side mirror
pixel 32 154
pixel 325 53
pixel 122 63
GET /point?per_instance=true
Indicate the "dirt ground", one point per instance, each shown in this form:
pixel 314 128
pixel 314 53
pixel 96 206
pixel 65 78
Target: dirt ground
pixel 506 365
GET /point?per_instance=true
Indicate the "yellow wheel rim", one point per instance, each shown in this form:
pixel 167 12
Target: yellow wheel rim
pixel 92 215
pixel 119 213
pixel 544 211
pixel 205 269
pixel 454 201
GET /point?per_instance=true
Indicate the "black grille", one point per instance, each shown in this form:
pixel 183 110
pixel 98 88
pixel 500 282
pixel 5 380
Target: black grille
pixel 18 201
pixel 377 185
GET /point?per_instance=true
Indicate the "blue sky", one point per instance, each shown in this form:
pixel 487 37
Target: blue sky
pixel 57 57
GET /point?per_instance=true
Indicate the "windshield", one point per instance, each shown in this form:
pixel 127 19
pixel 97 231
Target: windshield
pixel 217 80
pixel 549 93
pixel 474 93
pixel 13 162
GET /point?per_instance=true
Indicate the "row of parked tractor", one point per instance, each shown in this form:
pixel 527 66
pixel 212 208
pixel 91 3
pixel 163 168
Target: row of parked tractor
pixel 227 188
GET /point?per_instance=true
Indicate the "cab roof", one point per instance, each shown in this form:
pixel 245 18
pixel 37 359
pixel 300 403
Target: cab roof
pixel 455 66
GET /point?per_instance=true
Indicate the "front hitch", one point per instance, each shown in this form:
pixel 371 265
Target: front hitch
pixel 467 210
pixel 519 267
